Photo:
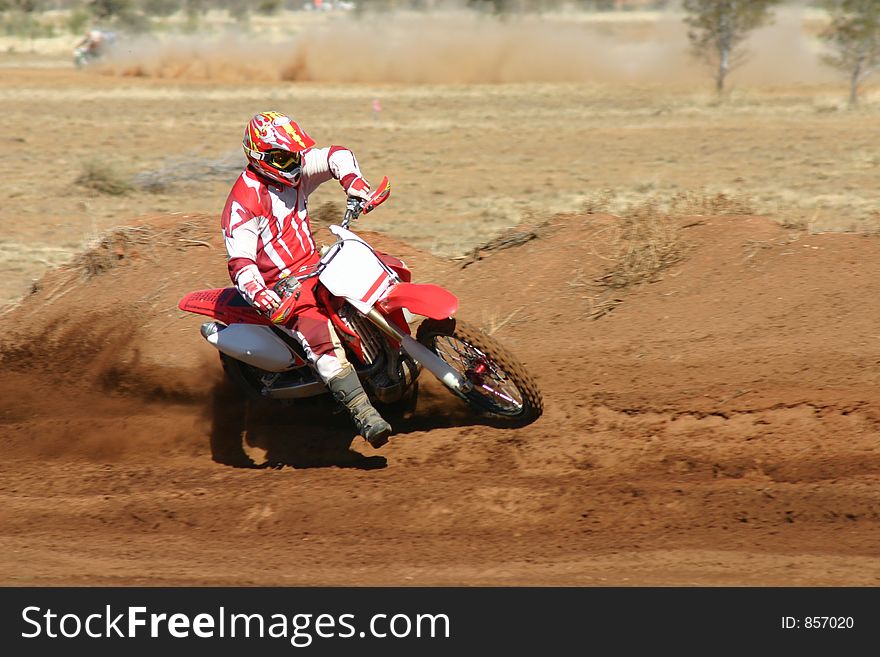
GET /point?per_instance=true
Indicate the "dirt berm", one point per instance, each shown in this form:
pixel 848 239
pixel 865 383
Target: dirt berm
pixel 717 424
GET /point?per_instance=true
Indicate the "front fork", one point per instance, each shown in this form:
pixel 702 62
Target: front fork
pixel 429 360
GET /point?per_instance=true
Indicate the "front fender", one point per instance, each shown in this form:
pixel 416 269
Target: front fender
pixel 420 299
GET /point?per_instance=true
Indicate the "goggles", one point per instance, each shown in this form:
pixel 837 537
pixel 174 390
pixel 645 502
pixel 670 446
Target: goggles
pixel 282 160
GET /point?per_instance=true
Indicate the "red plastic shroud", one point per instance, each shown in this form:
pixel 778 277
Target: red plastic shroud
pixel 224 304
pixel 228 306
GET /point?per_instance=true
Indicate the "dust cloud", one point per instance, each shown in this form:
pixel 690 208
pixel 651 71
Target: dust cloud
pixel 458 48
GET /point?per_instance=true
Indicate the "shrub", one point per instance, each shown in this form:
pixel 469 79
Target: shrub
pixel 102 178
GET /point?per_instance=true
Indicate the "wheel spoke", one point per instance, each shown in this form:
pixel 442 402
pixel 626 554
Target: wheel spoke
pixel 499 391
pixel 498 394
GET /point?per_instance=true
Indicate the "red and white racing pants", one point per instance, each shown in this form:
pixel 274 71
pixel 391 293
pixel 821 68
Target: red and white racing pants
pixel 314 330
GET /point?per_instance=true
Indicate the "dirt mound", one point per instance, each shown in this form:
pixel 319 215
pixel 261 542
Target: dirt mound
pixel 716 423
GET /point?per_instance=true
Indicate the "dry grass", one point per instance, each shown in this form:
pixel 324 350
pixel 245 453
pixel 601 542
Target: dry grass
pixel 494 321
pixel 110 249
pixel 693 202
pixel 644 242
pixel 133 242
pixel 17 256
pixel 646 239
pixel 711 204
pixel 189 168
pixel 102 178
pixel 599 202
pixel 507 240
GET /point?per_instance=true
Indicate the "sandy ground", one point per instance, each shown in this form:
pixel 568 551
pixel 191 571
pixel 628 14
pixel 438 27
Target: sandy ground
pixel 719 426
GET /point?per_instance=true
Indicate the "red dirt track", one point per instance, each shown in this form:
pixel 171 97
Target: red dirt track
pixel 719 427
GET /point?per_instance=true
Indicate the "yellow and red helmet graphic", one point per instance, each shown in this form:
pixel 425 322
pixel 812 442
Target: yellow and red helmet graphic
pixel 275 131
pixel 268 137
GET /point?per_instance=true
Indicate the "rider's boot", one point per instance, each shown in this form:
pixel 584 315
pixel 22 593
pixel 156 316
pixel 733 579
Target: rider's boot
pixel 346 389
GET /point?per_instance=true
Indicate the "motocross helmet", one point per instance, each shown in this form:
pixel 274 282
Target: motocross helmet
pixel 274 145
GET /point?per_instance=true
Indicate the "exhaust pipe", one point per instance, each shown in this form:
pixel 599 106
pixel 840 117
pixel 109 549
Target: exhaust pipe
pixel 252 347
pixel 250 343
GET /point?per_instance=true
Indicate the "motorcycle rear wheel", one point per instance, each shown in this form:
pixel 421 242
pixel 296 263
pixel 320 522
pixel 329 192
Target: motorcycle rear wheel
pixel 245 377
pixel 501 386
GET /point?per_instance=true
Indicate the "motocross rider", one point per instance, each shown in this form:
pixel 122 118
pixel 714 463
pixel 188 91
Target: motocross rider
pixel 268 237
pixel 92 42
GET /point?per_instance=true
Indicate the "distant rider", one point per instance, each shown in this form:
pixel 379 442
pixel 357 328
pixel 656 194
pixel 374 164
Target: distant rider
pixel 268 237
pixel 92 43
pixel 92 47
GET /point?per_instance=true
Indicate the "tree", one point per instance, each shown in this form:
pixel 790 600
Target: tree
pixel 193 9
pixel 239 10
pixel 494 6
pixel 854 37
pixel 23 6
pixel 107 9
pixel 718 28
pixel 160 7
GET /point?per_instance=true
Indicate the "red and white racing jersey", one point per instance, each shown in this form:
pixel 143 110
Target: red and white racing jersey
pixel 266 224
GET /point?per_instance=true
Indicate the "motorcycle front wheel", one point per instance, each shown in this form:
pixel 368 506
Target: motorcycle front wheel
pixel 501 386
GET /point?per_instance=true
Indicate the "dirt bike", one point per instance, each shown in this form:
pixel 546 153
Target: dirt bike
pixel 371 300
pixel 82 57
pixel 85 55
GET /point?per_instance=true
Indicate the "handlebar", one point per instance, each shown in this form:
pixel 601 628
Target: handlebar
pixel 355 206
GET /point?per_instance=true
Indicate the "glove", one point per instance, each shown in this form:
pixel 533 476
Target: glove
pixel 359 188
pixel 250 283
pixel 288 291
pixel 266 300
